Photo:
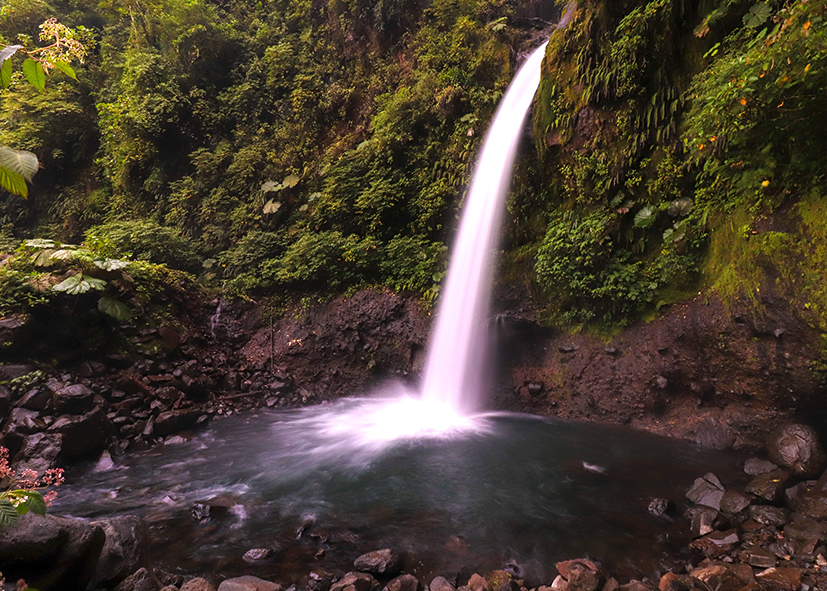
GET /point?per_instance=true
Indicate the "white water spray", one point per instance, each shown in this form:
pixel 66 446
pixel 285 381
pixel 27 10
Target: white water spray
pixel 453 368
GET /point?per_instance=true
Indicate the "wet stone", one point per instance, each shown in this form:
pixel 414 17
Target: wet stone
pixel 707 491
pixel 248 583
pixel 403 583
pixel 673 582
pixel 354 582
pixel 754 466
pixel 257 554
pixel 734 502
pixel 813 504
pixel 768 515
pixel 701 519
pixel 441 584
pixel 718 578
pixel 769 486
pixel 380 562
pixel 797 448
pixel 787 578
pixel 660 507
pixel 760 558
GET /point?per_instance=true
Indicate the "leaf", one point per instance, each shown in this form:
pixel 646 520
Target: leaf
pixel 8 51
pixel 114 308
pixel 110 264
pixel 13 183
pixel 44 258
pixel 39 243
pixel 63 254
pixel 757 15
pixel 19 162
pixel 645 217
pixel 271 186
pixel 80 283
pixel 33 71
pixel 8 514
pixel 30 500
pixel 291 181
pixel 272 206
pixel 5 74
pixel 680 207
pixel 65 68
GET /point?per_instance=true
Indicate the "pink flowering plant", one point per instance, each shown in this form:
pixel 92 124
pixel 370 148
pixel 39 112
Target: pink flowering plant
pixel 22 490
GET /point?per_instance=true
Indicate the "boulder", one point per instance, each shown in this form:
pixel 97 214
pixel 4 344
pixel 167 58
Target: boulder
pixel 5 400
pixel 354 582
pixel 83 434
pixel 701 519
pixel 51 553
pixel 581 574
pixel 786 578
pixel 403 583
pixel 173 421
pixel 733 502
pixel 500 580
pixel 383 562
pixel 35 399
pixel 319 580
pixel 717 578
pixel 74 400
pixel 796 447
pixel 14 331
pixel 257 554
pixel 767 515
pixel 754 466
pixel 39 452
pixel 248 583
pixel 197 584
pixel 707 491
pixel 124 550
pixel 140 580
pixel 672 582
pixel 441 584
pixel 769 486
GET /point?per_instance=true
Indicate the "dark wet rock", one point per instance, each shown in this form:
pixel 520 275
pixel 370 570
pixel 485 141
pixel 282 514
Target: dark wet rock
pixel 83 434
pixel 22 422
pixel 660 507
pixel 477 583
pixel 69 547
pixel 319 580
pixel 441 584
pixel 174 421
pixel 701 520
pixel 355 582
pixel 707 491
pixel 734 502
pixel 802 528
pixel 813 504
pixel 74 400
pixel 404 583
pixel 140 580
pixel 124 550
pixel 717 578
pixel 167 578
pixel 787 578
pixel 35 399
pixel 769 486
pixel 15 330
pixel 767 515
pixel 256 554
pixel 674 582
pixel 716 544
pixel 635 585
pixel 248 583
pixel 501 580
pixel 760 558
pixel 198 584
pixel 755 466
pixel 581 574
pixel 797 448
pixel 39 452
pixel 5 400
pixel 384 562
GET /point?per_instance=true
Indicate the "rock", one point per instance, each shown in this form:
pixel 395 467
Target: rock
pixel 354 582
pixel 717 578
pixel 760 558
pixel 256 554
pixel 672 582
pixel 716 543
pixel 124 550
pixel 769 486
pixel 635 585
pixel 707 491
pixel 701 519
pixel 787 578
pixel 734 502
pixel 40 452
pixel 14 331
pixel 105 463
pixel 477 583
pixel 802 529
pixel 441 584
pixel 501 580
pixel 248 583
pixel 660 507
pixel 140 580
pixel 403 583
pixel 82 434
pixel 319 581
pixel 200 511
pixel 796 447
pixel 69 547
pixel 173 421
pixel 5 400
pixel 581 574
pixel 74 400
pixel 197 584
pixel 754 466
pixel 35 399
pixel 766 515
pixel 379 562
pixel 558 584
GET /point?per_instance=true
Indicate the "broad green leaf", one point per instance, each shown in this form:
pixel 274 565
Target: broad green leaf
pixel 110 264
pixel 291 181
pixel 272 206
pixel 757 15
pixel 8 51
pixel 19 162
pixel 33 71
pixel 680 207
pixel 13 183
pixel 43 258
pixel 8 514
pixel 39 243
pixel 271 186
pixel 114 308
pixel 63 254
pixel 65 68
pixel 645 217
pixel 5 74
pixel 80 283
pixel 34 501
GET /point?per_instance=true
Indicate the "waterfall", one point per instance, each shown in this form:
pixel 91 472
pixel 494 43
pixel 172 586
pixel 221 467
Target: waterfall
pixel 453 367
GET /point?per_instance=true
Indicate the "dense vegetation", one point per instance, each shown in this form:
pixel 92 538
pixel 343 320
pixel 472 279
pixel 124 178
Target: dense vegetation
pixel 300 146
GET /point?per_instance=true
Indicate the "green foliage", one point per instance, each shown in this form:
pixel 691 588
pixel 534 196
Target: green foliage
pixel 145 240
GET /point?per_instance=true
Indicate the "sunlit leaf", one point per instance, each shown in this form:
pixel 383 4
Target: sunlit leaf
pixel 110 264
pixel 5 74
pixel 291 181
pixel 8 51
pixel 31 500
pixel 44 258
pixel 757 15
pixel 80 283
pixel 645 217
pixel 19 162
pixel 33 71
pixel 271 186
pixel 39 243
pixel 65 68
pixel 680 207
pixel 272 206
pixel 8 514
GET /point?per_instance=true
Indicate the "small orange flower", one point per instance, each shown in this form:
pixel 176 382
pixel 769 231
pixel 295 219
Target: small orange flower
pixel 743 101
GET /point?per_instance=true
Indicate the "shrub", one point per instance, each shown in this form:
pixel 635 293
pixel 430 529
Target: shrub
pixel 146 241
